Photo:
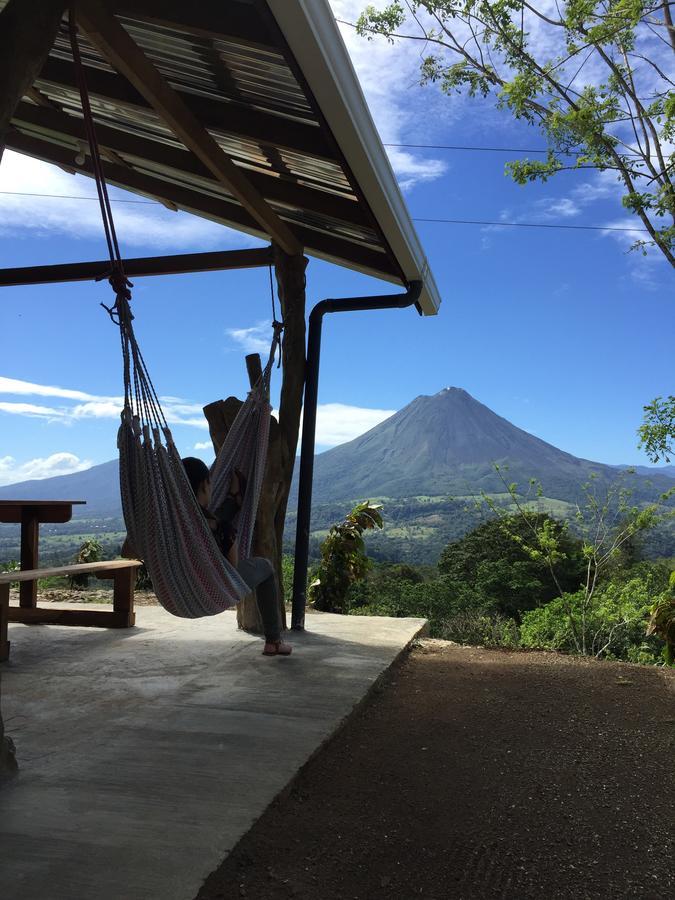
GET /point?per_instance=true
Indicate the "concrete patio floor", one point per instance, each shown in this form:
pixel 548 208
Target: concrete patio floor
pixel 147 753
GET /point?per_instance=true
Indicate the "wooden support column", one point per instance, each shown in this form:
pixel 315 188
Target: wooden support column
pixel 291 281
pixel 290 271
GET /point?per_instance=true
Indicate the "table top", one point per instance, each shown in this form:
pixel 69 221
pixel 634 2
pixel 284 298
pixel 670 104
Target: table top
pixel 7 503
pixel 11 511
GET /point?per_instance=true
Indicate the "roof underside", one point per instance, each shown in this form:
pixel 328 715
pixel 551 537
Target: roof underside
pixel 232 66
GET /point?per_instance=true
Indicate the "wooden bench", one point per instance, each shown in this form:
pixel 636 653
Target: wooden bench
pixel 121 571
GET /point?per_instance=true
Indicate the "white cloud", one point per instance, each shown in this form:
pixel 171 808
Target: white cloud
pixel 256 339
pixel 337 423
pixel 29 409
pixel 12 471
pixel 176 410
pixel 137 224
pixel 563 206
pixel 389 77
pixel 14 386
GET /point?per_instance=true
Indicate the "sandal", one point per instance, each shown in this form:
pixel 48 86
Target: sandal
pixel 277 648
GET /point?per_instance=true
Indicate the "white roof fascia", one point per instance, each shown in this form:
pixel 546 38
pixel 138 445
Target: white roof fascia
pixel 312 34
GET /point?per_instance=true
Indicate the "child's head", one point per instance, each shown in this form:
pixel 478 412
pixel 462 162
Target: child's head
pixel 199 477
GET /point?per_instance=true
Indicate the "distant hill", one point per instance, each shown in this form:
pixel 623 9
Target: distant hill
pixel 448 444
pixel 434 449
pixel 99 486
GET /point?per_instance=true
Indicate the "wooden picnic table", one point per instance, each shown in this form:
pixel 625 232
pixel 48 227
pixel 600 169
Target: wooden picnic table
pixel 30 514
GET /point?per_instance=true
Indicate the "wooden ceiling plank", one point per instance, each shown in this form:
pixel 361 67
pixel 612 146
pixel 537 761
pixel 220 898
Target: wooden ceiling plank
pixel 219 210
pixel 283 190
pixel 230 117
pixel 114 43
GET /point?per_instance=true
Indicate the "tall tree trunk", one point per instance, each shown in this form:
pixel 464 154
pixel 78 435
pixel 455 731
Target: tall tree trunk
pixel 27 32
pixel 290 272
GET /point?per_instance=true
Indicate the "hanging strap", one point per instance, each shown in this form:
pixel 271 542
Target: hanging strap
pixel 117 277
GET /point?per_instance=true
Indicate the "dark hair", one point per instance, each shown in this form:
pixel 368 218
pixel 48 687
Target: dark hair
pixel 197 472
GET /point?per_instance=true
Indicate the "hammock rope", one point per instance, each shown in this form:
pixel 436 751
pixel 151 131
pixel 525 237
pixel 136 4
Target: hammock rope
pixel 166 526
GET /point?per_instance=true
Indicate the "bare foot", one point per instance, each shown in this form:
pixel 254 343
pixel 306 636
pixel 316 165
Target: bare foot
pixel 277 648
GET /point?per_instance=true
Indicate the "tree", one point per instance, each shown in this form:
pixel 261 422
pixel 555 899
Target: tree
pixel 496 561
pixel 592 76
pixel 657 432
pixel 607 522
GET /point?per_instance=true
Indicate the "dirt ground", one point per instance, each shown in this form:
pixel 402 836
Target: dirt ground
pixel 479 774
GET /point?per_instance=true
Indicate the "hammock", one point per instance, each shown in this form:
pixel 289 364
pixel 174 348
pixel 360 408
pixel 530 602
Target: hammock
pixel 165 524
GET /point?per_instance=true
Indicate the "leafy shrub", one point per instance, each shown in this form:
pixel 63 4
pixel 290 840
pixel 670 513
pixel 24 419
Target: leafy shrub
pixel 505 573
pixel 90 551
pixel 614 621
pixel 662 621
pixel 11 566
pixel 143 579
pixel 343 559
pixel 287 565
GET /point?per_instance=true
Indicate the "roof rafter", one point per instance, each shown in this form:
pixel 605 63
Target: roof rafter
pixel 114 43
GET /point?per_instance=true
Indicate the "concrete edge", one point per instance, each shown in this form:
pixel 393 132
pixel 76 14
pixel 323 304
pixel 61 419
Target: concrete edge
pixel 375 688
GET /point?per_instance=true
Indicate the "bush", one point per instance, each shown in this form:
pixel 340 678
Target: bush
pixel 343 559
pixel 613 624
pixel 494 562
pixel 90 551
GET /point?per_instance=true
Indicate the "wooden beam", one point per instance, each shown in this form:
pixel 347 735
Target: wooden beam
pixel 113 42
pixel 139 267
pixel 328 246
pixel 216 115
pixel 27 32
pixel 281 189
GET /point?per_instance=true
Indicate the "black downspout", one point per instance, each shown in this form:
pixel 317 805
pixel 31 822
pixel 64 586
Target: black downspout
pixel 351 304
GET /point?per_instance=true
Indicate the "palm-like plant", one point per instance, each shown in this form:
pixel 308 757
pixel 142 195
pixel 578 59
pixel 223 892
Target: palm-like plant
pixel 343 558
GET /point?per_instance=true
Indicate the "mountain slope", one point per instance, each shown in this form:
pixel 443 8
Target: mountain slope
pixel 437 446
pixel 99 486
pixel 448 444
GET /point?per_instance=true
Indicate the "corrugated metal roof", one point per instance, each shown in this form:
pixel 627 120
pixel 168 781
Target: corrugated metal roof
pixel 232 65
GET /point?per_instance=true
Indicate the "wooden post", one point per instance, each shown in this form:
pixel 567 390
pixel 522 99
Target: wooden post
pixel 291 281
pixel 29 557
pixel 124 581
pixel 283 434
pixel 4 618
pixel 254 368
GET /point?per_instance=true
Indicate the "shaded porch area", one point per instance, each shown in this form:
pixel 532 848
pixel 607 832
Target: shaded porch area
pixel 146 754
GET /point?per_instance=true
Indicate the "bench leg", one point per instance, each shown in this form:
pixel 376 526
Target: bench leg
pixel 4 616
pixel 123 594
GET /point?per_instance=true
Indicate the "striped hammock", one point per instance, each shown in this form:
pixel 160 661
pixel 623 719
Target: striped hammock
pixel 165 524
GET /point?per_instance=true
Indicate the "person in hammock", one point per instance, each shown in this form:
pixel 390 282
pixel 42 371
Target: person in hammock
pixel 256 571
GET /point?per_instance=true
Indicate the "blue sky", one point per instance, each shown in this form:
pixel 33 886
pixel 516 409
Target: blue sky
pixel 564 333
